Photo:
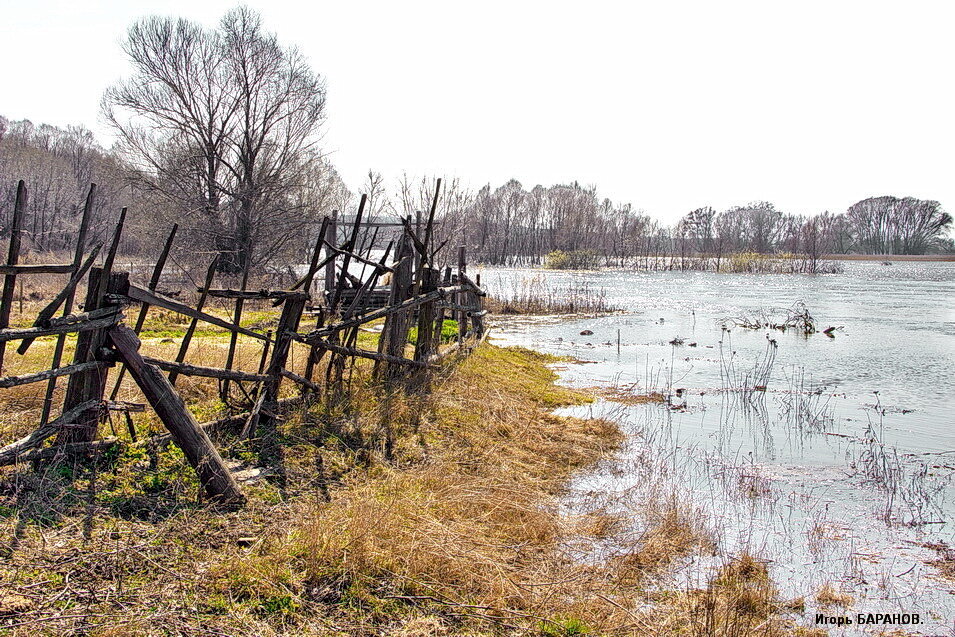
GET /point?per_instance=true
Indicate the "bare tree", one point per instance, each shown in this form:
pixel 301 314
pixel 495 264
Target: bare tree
pixel 222 123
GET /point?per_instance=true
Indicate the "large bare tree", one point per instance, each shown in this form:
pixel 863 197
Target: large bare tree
pixel 223 122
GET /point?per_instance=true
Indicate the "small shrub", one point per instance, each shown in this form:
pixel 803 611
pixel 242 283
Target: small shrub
pixel 572 260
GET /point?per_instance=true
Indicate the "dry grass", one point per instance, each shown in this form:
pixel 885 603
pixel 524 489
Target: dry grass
pixel 829 596
pixel 629 395
pixel 398 515
pixel 671 532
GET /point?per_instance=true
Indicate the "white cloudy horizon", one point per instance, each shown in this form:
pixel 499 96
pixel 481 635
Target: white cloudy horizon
pixel 668 106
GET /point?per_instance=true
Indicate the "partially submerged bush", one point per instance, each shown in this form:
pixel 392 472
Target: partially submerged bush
pixel 785 263
pixel 796 317
pixel 572 260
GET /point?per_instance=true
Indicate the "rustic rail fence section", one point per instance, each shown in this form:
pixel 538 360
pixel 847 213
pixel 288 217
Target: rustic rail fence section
pixel 404 290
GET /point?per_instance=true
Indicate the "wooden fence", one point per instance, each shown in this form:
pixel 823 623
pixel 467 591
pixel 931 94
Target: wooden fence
pixel 404 287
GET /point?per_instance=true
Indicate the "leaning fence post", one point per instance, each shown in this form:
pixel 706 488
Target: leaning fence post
pixel 288 323
pixel 234 336
pixel 194 442
pixel 68 301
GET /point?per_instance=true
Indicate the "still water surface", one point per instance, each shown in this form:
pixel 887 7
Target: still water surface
pixel 839 472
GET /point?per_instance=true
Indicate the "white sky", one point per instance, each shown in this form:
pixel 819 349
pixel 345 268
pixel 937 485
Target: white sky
pixel 668 105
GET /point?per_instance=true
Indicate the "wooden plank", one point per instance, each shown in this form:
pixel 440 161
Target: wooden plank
pixel 69 294
pixel 71 449
pixel 25 379
pixel 47 268
pixel 314 353
pixel 436 337
pixel 467 282
pixel 419 247
pixel 288 323
pixel 247 295
pixel 270 451
pixel 367 288
pixel 424 346
pixel 462 316
pixel 372 316
pixel 124 406
pixel 306 281
pixel 381 267
pixel 80 325
pixel 394 333
pixel 13 256
pixel 187 369
pixel 110 257
pixel 361 353
pixel 187 337
pixel 252 422
pixel 10 453
pixel 292 376
pixel 185 431
pixel 154 298
pixel 429 229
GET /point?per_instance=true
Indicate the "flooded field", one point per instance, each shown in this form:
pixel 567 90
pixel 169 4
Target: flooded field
pixel 830 457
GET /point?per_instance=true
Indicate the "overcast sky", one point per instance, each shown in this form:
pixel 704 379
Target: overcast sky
pixel 668 105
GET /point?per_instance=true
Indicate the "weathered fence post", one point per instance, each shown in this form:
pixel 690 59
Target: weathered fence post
pixel 424 348
pixel 462 297
pixel 194 442
pixel 13 257
pixel 477 317
pixel 234 336
pixel 288 323
pixel 331 236
pixel 90 385
pixel 394 333
pixel 68 301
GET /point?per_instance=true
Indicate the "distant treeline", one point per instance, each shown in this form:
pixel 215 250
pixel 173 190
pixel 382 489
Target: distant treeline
pixel 508 225
pixel 511 225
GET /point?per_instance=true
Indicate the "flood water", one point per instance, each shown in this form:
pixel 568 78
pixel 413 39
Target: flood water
pixel 829 458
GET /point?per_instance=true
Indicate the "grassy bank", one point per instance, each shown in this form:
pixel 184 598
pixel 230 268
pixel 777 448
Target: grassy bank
pixel 396 515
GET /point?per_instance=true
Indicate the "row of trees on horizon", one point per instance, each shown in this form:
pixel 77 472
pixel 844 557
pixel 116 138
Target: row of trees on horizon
pixel 514 225
pixel 218 131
